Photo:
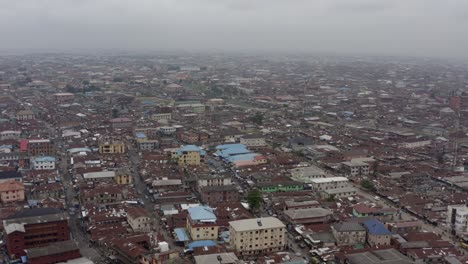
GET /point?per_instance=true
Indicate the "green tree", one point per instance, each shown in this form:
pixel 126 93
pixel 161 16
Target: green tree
pixel 257 118
pixel 115 112
pixel 331 198
pixel 368 185
pixel 254 199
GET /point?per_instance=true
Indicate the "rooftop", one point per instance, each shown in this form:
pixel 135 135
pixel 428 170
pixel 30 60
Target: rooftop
pixel 256 224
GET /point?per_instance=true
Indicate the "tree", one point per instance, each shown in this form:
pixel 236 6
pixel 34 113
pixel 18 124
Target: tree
pixel 331 198
pixel 254 199
pixel 115 112
pixel 368 185
pixel 257 118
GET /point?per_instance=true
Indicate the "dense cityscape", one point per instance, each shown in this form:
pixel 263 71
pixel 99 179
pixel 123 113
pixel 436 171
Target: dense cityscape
pixel 197 158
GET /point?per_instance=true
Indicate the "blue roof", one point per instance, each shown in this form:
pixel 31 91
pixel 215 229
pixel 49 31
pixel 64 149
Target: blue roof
pixel 6 146
pixel 242 157
pixel 191 148
pixel 140 135
pixel 232 149
pixel 44 159
pixel 181 234
pixel 201 243
pixel 201 213
pixel 376 228
pixel 226 146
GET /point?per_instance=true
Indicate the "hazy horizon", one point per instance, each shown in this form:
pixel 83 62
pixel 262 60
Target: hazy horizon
pixel 427 28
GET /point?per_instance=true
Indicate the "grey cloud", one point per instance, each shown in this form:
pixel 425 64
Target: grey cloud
pixel 410 27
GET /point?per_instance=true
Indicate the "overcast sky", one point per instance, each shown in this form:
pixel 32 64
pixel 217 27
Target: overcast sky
pixel 387 27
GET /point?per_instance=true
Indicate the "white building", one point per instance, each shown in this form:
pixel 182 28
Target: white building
pixel 457 218
pixel 355 168
pixel 329 183
pixel 253 141
pixel 161 116
pixel 43 163
pixel 10 134
pixel 306 174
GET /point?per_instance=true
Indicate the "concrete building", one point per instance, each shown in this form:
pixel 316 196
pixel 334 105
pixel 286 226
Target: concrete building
pixel 11 191
pixel 123 176
pixel 254 141
pixel 377 234
pixel 139 219
pixel 322 184
pixel 57 252
pixel 190 155
pixel 256 236
pixel 43 163
pixel 457 218
pixel 147 144
pixel 338 193
pixel 355 168
pixel 349 233
pixel 25 115
pixel 306 174
pixel 32 228
pixel 308 216
pixel 10 134
pixel 201 223
pixel 216 194
pixel 161 116
pixel 38 147
pixel 111 147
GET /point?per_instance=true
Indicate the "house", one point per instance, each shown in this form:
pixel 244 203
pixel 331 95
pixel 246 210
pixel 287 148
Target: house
pixel 11 191
pixel 377 234
pixel 121 123
pixel 338 193
pixel 216 194
pixel 111 147
pixel 190 155
pixel 38 147
pixel 349 233
pixel 201 223
pixel 32 228
pixel 6 176
pixel 123 176
pixel 306 174
pixel 24 115
pixel 147 144
pixel 56 252
pixel 43 163
pixel 364 210
pixel 355 168
pixel 139 219
pixel 254 141
pixel 322 184
pixel 308 215
pixel 257 235
pixel 63 97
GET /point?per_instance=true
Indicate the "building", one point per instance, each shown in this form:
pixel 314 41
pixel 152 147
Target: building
pixel 209 180
pixel 121 123
pixel 190 155
pixel 6 176
pixel 308 215
pixel 355 168
pixel 32 228
pixel 10 134
pixel 62 97
pixel 254 141
pixel 39 147
pixel 139 219
pixel 306 174
pixel 377 234
pixel 216 194
pixel 123 176
pixel 217 258
pixel 256 236
pixel 100 176
pixel 380 256
pixel 112 147
pixel 25 115
pixel 161 117
pixel 457 218
pixel 11 191
pixel 201 223
pixel 322 184
pixel 53 253
pixel 349 234
pixel 338 193
pixel 43 163
pixel 147 144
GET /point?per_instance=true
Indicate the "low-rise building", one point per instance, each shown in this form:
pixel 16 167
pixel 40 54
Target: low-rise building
pixel 201 223
pixel 377 234
pixel 338 193
pixel 253 141
pixel 322 184
pixel 139 219
pixel 349 233
pixel 11 191
pixel 355 168
pixel 306 174
pixel 25 115
pixel 217 194
pixel 257 236
pixel 111 147
pixel 58 252
pixel 190 155
pixel 43 163
pixel 38 147
pixel 308 215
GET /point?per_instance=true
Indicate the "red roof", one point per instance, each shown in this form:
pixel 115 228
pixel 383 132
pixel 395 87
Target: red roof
pixel 24 145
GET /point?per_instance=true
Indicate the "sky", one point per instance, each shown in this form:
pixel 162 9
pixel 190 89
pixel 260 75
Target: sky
pixel 382 27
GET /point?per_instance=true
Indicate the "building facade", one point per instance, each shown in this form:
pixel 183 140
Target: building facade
pixel 11 191
pixel 257 236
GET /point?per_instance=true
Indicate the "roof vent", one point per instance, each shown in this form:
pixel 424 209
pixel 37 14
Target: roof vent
pixel 259 222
